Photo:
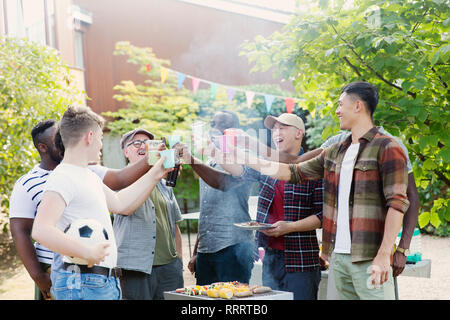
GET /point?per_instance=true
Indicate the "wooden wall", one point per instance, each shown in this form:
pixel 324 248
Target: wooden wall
pixel 199 41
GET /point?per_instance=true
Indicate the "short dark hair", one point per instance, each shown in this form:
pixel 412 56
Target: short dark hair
pixel 58 142
pixel 366 91
pixel 39 129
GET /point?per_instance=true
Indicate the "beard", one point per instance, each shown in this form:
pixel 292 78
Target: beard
pixel 56 155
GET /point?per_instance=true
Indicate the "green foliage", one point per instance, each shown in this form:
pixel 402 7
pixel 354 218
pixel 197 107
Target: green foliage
pixel 164 110
pixel 400 46
pixel 157 107
pixel 250 118
pixel 35 85
pixel 318 129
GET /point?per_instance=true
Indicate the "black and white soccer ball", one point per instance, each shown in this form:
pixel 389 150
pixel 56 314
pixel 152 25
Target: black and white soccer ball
pixel 88 231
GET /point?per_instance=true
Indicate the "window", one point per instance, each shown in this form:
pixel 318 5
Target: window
pixel 50 5
pixel 79 60
pixel 30 18
pixel 34 20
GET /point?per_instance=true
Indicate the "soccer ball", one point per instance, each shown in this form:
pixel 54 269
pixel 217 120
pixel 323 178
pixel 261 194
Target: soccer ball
pixel 88 231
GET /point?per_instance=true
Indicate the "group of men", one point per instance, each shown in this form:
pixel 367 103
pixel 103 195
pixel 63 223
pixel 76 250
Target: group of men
pixel 358 187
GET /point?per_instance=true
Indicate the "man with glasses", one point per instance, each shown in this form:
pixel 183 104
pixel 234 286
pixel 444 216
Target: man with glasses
pixel 149 240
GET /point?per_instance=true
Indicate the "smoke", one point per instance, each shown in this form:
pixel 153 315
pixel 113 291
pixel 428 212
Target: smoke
pixel 211 50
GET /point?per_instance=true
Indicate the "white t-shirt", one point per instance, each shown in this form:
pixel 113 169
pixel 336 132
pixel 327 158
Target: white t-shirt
pixel 27 195
pixel 25 199
pixel 343 239
pixel 82 190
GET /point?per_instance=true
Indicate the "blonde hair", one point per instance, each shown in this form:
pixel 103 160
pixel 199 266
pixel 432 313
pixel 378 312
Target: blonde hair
pixel 76 121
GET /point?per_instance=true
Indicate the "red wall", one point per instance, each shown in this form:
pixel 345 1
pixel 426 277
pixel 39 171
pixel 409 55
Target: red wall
pixel 199 41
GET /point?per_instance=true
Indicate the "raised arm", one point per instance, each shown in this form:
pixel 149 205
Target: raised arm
pixel 118 179
pixel 128 200
pixel 214 178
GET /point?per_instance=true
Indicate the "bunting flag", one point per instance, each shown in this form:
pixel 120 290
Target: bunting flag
pixel 269 100
pixel 180 77
pixel 195 84
pixel 230 94
pixel 250 95
pixel 290 104
pixel 230 91
pixel 214 88
pixel 164 73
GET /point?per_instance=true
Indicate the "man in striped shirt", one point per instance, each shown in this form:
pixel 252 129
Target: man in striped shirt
pixel 27 194
pixel 365 182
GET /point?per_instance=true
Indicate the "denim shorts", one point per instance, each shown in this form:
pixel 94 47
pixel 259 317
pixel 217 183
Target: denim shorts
pixel 85 286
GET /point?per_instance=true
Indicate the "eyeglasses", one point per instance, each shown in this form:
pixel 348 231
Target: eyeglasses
pixel 137 143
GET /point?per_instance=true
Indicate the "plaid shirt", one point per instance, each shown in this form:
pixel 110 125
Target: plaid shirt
pixel 380 179
pixel 300 201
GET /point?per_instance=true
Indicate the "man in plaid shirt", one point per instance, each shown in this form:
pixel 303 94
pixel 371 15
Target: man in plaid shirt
pixel 365 182
pixel 291 260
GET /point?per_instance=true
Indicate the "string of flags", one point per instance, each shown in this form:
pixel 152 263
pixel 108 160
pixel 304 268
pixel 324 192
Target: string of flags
pixel 230 91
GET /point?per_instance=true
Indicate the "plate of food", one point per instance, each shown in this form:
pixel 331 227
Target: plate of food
pixel 225 290
pixel 253 225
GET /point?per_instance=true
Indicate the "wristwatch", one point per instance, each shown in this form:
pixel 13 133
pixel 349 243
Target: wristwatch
pixel 405 252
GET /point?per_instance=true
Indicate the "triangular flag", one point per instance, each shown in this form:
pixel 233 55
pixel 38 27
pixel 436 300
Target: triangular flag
pixel 164 73
pixel 250 95
pixel 214 87
pixel 148 67
pixel 195 84
pixel 269 100
pixel 290 104
pixel 230 94
pixel 181 77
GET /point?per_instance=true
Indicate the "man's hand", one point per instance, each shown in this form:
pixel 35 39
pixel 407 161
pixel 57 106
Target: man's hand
pixel 44 283
pixel 184 152
pixel 158 171
pixel 379 272
pixel 398 264
pixel 280 228
pixel 191 264
pixel 97 253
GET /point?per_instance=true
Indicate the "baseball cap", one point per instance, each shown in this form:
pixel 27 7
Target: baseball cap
pixel 289 119
pixel 130 135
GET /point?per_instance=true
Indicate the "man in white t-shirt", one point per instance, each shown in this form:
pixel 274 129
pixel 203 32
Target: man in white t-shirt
pixel 27 195
pixel 73 192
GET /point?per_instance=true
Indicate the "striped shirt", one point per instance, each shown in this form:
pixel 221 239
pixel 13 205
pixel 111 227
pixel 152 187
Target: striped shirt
pixel 26 197
pixel 380 180
pixel 301 249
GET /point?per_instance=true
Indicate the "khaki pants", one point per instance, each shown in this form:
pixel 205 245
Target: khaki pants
pixel 351 280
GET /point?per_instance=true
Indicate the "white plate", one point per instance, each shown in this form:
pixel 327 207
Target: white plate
pixel 260 226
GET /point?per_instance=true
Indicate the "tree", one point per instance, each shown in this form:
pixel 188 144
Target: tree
pixel 164 109
pixel 35 85
pixel 400 46
pixel 250 118
pixel 156 106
